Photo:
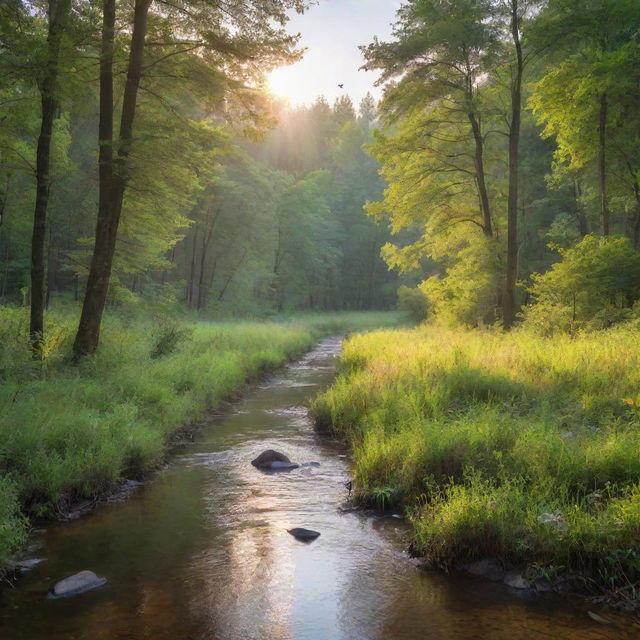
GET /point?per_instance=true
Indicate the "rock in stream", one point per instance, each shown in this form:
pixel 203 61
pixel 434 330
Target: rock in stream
pixel 271 460
pixel 76 584
pixel 305 535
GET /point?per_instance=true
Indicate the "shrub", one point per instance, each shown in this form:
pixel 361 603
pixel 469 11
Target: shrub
pixel 13 526
pixel 593 286
pixel 413 302
pixel 467 293
pixel 167 337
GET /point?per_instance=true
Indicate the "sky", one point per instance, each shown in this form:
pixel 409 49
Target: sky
pixel 331 31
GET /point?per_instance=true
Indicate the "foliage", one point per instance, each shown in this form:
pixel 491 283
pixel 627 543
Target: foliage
pixel 413 302
pixel 594 286
pixel 13 526
pixel 443 148
pixel 167 337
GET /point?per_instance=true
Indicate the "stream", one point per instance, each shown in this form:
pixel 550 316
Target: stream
pixel 202 552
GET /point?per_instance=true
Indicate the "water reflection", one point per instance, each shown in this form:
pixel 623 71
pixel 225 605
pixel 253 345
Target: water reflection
pixel 203 553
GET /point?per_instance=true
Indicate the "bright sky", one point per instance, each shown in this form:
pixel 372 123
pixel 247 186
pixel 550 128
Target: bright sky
pixel 331 32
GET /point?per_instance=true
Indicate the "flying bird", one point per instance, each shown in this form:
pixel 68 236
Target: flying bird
pixel 341 86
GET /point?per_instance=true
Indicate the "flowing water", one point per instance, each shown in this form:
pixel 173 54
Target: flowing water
pixel 203 553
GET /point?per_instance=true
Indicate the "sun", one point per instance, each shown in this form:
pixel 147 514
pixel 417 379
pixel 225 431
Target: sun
pixel 284 84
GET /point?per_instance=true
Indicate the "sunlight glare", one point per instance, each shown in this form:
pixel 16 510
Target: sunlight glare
pixel 283 83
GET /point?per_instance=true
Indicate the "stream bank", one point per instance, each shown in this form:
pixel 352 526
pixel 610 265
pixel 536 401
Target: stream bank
pixel 204 552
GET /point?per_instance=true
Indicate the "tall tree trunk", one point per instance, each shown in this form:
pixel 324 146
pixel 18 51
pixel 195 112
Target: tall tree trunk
pixel 206 240
pixel 231 275
pixel 583 227
pixel 602 164
pixel 58 11
pixel 636 223
pixel 481 181
pixel 509 301
pixel 5 269
pixel 51 270
pixel 113 171
pixel 192 270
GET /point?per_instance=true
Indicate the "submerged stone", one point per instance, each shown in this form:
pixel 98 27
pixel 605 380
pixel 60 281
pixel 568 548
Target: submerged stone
pixel 515 580
pixel 76 584
pixel 487 568
pixel 27 565
pixel 543 586
pixel 281 466
pixel 306 535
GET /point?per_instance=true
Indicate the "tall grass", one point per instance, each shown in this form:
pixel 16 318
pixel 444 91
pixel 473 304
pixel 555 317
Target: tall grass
pixel 69 432
pixel 513 446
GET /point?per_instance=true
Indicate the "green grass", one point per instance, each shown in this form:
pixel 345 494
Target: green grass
pixel 70 432
pixel 479 434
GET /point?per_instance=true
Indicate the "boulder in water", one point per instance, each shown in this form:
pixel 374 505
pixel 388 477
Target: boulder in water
pixel 515 580
pixel 76 584
pixel 305 535
pixel 273 460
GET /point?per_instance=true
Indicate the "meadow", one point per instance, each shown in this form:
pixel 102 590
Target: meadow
pixel 71 432
pixel 509 446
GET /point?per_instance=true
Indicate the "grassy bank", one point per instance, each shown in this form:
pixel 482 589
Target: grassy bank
pixel 510 446
pixel 70 432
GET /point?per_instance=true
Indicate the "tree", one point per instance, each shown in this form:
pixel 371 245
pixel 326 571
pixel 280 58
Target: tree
pixel 441 53
pixel 440 139
pixel 245 33
pixel 593 54
pixel 57 15
pixel 514 13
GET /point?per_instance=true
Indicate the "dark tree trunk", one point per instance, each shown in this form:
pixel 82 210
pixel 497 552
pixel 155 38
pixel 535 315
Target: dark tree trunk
pixel 231 275
pixel 58 12
pixel 192 271
pixel 581 218
pixel 113 171
pixel 636 222
pixel 203 260
pixel 206 240
pixel 483 195
pixel 509 302
pixel 172 260
pixel 51 269
pixel 602 164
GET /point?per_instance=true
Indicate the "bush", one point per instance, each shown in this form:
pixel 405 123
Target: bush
pixel 594 286
pixel 467 293
pixel 413 302
pixel 167 337
pixel 13 526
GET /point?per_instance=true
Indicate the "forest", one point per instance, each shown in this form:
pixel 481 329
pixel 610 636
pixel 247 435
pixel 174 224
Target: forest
pixel 170 229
